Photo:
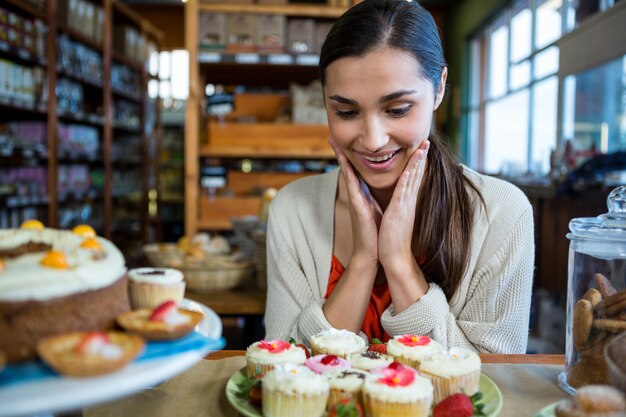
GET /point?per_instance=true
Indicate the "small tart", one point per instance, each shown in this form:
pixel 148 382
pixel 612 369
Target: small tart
pixel 60 353
pixel 138 321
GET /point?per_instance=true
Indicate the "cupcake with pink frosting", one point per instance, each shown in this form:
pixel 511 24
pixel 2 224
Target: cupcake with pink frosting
pixel 324 363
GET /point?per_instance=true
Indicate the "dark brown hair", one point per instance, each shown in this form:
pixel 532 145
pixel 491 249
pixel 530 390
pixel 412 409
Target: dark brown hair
pixel 445 208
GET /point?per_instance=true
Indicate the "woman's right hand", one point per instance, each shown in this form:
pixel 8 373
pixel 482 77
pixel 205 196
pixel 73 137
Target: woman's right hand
pixel 365 213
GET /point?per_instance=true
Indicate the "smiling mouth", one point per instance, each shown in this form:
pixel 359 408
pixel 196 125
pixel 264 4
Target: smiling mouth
pixel 380 158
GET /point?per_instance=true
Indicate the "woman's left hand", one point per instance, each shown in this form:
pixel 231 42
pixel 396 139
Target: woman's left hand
pixel 395 235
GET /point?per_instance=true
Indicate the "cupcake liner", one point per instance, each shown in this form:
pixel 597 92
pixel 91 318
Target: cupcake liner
pixel 254 368
pixel 280 404
pixel 336 395
pixel 147 295
pixel 374 407
pixel 446 386
pixel 413 363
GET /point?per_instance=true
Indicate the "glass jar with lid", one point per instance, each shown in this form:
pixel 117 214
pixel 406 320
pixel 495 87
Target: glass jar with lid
pixel 596 294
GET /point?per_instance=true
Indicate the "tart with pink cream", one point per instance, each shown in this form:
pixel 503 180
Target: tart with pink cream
pixel 165 322
pixel 337 342
pixel 84 354
pixel 262 356
pixel 292 390
pixel 149 287
pixel 457 370
pixel 397 390
pixel 324 363
pixel 410 349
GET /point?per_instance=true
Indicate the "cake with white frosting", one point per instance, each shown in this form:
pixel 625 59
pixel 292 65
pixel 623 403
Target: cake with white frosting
pixel 294 390
pixel 150 287
pixel 411 350
pixel 397 390
pixel 54 281
pixel 262 356
pixel 457 370
pixel 342 343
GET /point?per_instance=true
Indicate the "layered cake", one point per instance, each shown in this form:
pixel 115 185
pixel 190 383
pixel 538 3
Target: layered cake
pixel 54 282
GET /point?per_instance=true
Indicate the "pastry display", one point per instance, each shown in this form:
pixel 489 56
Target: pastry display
pixel 262 356
pixel 397 390
pixel 593 401
pixel 342 343
pixel 596 319
pixel 85 354
pixel 54 282
pixel 293 390
pixel 149 287
pixel 165 322
pixel 411 349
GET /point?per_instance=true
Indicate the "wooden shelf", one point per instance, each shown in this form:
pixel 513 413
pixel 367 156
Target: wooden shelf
pixel 20 55
pixel 216 212
pixel 267 140
pixel 232 303
pixel 304 10
pixel 27 8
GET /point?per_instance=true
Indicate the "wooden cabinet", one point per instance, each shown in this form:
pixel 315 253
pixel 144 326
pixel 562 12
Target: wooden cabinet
pixel 230 140
pixel 78 134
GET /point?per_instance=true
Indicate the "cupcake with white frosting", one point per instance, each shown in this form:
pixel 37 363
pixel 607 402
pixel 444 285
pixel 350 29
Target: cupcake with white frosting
pixel 291 390
pixel 411 350
pixel 262 356
pixel 150 287
pixel 369 360
pixel 397 391
pixel 345 384
pixel 454 371
pixel 342 343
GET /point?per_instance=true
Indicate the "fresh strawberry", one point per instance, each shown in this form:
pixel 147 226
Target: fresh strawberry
pixel 301 346
pixel 163 310
pixel 345 408
pixel 330 360
pixel 377 346
pixel 459 405
pixel 90 340
pixel 255 395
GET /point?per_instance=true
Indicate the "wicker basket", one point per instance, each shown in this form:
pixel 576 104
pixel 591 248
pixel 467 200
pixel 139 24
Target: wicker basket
pixel 260 258
pixel 218 273
pixel 162 255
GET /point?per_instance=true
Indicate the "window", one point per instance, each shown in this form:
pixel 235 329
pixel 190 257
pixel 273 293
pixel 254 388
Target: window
pixel 173 77
pixel 512 111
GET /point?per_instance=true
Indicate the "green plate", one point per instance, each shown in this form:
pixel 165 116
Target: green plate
pixel 492 397
pixel 547 411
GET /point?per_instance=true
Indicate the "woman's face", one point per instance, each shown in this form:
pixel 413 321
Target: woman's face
pixel 379 111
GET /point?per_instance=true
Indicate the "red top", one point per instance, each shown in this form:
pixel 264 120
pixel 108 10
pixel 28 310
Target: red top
pixel 379 301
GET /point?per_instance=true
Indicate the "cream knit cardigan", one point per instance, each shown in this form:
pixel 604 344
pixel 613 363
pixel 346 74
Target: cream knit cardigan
pixel 489 312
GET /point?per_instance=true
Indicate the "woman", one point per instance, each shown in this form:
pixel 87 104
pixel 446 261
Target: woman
pixel 401 239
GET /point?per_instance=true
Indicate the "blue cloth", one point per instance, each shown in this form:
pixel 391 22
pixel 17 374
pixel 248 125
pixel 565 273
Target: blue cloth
pixel 24 372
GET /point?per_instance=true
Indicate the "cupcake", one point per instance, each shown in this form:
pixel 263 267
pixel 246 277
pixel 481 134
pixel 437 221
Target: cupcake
pixel 324 363
pixel 292 390
pixel 369 360
pixel 149 287
pixel 345 385
pixel 262 356
pixel 457 370
pixel 410 349
pixel 337 342
pixel 398 391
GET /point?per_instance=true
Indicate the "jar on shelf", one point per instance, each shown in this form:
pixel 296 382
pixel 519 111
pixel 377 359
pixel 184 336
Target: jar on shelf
pixel 596 295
